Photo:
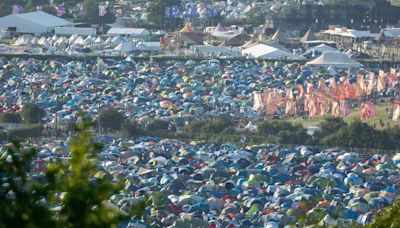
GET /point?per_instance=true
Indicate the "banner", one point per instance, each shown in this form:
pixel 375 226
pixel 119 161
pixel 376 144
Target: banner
pixel 381 81
pixel 396 112
pixel 60 10
pixel 16 9
pixel 102 10
pixel 368 110
pixel 167 12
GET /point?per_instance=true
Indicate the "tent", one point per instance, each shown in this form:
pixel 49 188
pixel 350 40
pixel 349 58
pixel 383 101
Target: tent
pixel 125 47
pixel 264 51
pixel 187 28
pixel 334 59
pixel 280 37
pixel 226 35
pixel 308 36
pixel 219 28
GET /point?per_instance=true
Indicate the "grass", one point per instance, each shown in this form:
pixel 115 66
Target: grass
pixel 354 115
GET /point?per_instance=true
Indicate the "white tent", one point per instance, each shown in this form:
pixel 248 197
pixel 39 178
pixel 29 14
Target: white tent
pixel 322 48
pixel 264 51
pixel 334 59
pixel 23 40
pixel 34 23
pixel 226 35
pixel 317 50
pixel 125 47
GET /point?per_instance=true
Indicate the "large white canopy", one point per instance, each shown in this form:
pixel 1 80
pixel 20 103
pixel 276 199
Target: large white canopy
pixel 264 51
pixel 334 59
pixel 226 35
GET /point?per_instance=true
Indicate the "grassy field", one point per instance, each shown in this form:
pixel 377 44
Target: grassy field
pixel 354 115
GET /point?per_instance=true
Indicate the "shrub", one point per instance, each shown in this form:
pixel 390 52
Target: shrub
pixel 31 131
pixel 110 119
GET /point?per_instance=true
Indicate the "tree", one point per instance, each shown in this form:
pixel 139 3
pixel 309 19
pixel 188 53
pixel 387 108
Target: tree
pixel 256 16
pixel 130 128
pixel 10 117
pixel 387 218
pixel 31 113
pixel 86 188
pixel 330 125
pixel 156 12
pixel 20 195
pixel 91 14
pixel 111 119
pixel 29 7
pixel 158 125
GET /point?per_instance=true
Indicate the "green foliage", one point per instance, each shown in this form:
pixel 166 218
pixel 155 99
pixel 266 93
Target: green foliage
pixel 31 113
pixel 359 135
pixel 10 117
pixel 272 127
pixel 156 13
pixel 210 127
pixel 158 125
pixel 329 126
pixel 21 197
pixel 29 7
pixel 387 218
pixel 77 188
pixel 130 128
pixel 110 119
pixel 255 16
pixel 91 14
pixel 85 190
pixel 20 133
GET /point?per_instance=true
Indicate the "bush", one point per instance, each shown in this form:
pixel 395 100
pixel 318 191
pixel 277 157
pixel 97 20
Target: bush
pixel 10 117
pixel 32 131
pixel 158 125
pixel 32 114
pixel 110 119
pixel 130 128
pixel 359 135
pixel 268 128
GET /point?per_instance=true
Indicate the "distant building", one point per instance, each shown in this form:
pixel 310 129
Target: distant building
pixel 35 23
pixel 68 31
pixel 344 35
pixel 128 32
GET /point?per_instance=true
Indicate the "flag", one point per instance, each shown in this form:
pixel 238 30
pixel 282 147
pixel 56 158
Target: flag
pixel 361 82
pixel 332 82
pixel 301 91
pixel 381 81
pixel 322 86
pixel 350 92
pixel 290 108
pixel 80 8
pixel 393 80
pixel 396 112
pixel 371 83
pixel 358 92
pixel 60 10
pixel 323 106
pixel 16 9
pixel 167 12
pixel 175 12
pixel 310 88
pixel 335 109
pixel 102 10
pixel 344 109
pixel 257 101
pixel 368 110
